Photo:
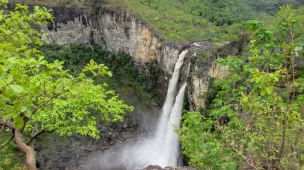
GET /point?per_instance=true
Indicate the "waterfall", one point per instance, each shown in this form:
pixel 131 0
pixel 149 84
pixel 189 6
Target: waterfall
pixel 167 107
pixel 171 150
pixel 160 149
pixel 171 112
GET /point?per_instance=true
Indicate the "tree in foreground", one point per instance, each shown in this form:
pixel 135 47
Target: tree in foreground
pixel 263 97
pixel 37 96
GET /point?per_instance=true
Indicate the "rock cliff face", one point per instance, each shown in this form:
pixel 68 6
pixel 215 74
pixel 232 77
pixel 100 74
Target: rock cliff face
pixel 123 31
pixel 117 32
pixel 203 69
pixel 114 32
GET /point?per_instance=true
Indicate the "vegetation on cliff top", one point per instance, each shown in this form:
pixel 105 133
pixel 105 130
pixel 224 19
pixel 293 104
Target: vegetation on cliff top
pixel 197 20
pixel 188 20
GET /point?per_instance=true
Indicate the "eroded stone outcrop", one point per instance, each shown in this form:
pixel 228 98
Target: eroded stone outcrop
pixel 203 69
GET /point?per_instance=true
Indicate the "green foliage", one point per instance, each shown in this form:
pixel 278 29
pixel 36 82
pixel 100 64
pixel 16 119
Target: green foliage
pixel 197 20
pixel 192 20
pixel 204 147
pixel 271 6
pixel 120 64
pixel 9 157
pixel 33 89
pixel 204 54
pixel 37 95
pixel 263 96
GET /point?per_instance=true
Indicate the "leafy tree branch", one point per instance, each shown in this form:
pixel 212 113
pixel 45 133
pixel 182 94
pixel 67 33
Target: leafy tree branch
pixel 38 96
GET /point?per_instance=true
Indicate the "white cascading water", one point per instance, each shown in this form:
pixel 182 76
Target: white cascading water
pixel 161 149
pixel 169 117
pixel 171 150
pixel 168 105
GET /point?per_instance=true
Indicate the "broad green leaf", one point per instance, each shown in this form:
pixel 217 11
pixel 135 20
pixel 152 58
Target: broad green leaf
pixel 17 106
pixel 263 92
pixel 8 109
pixel 269 90
pixel 2 102
pixel 17 88
pixel 27 53
pixel 28 113
pixel 23 109
pixel 7 116
pixel 92 62
pixel 18 121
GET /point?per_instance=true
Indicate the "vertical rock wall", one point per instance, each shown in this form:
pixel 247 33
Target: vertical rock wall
pixel 123 31
pixel 114 32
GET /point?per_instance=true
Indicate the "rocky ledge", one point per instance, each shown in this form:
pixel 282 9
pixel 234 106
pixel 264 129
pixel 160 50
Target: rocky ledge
pixel 156 167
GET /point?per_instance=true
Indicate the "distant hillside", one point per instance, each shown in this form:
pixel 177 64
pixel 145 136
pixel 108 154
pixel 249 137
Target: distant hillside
pixel 195 20
pixel 190 20
pixel 271 6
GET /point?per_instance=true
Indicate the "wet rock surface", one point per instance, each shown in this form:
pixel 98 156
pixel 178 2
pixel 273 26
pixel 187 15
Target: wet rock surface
pixel 56 152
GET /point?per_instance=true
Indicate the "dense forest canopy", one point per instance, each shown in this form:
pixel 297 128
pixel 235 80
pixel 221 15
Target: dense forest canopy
pixel 191 20
pixel 194 20
pixel 271 6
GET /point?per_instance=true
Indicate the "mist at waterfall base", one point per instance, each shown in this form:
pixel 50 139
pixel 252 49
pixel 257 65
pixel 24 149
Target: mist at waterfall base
pixel 161 148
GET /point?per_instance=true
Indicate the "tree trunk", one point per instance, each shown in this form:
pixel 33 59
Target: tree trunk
pixel 29 152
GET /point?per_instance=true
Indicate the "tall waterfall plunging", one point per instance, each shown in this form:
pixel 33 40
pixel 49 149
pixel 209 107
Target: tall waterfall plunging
pixel 162 148
pixel 168 119
pixel 171 144
pixel 167 107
